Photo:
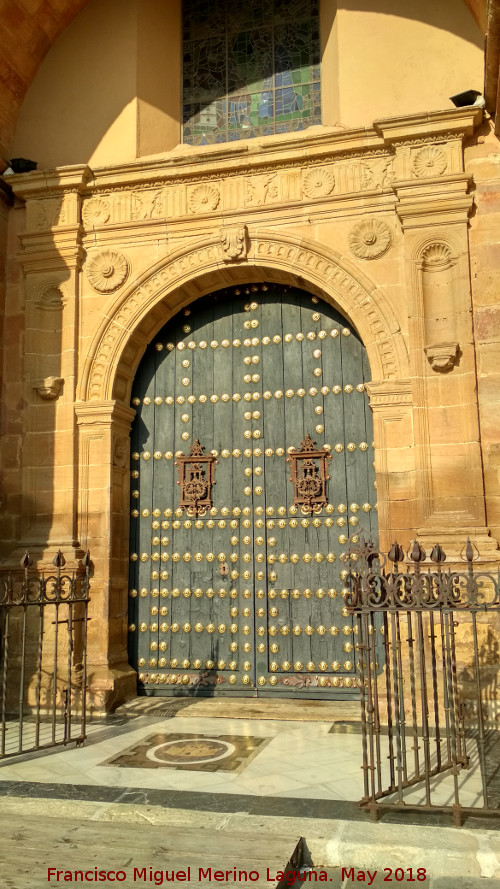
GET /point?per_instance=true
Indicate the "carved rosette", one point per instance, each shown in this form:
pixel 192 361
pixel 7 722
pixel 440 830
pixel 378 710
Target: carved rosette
pixel 107 271
pixel 204 199
pixel 318 183
pixel 429 161
pixel 370 239
pixel 96 211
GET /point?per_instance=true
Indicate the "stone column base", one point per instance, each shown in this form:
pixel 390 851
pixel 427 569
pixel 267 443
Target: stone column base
pixel 108 687
pixel 454 539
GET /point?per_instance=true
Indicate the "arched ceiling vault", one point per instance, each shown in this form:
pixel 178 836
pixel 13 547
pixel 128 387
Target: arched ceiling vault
pixel 28 28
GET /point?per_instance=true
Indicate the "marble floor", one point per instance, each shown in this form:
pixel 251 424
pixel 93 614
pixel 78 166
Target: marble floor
pixel 245 757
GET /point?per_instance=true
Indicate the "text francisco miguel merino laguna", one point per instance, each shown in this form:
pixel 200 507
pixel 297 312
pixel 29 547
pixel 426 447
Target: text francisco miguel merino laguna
pixel 200 874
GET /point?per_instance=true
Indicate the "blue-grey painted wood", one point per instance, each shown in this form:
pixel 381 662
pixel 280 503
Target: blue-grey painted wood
pixel 248 372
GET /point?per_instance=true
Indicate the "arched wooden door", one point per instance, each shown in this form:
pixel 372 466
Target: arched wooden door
pixel 237 578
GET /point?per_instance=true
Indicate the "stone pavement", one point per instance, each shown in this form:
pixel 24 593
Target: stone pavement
pixel 230 787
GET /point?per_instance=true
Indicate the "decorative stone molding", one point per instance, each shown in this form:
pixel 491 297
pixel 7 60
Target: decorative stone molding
pixel 429 161
pixel 437 255
pixel 49 297
pixel 234 242
pixel 96 211
pixel 294 258
pixel 107 271
pixel 261 189
pixel 318 182
pixel 204 198
pixel 50 388
pixel 370 239
pixel 390 392
pixel 147 204
pixel 442 357
pixel 121 451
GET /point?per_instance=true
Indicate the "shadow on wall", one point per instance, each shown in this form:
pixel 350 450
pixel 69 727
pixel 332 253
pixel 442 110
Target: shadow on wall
pixel 108 89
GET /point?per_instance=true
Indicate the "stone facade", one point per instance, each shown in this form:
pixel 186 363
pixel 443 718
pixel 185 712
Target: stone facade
pixel 395 224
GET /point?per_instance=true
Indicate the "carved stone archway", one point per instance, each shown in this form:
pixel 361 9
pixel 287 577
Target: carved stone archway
pixel 104 417
pixel 130 323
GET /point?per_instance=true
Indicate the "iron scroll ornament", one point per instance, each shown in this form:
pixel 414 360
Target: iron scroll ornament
pixel 196 479
pixel 309 468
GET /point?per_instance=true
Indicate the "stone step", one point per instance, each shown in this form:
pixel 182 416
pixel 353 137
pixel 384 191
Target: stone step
pixel 145 853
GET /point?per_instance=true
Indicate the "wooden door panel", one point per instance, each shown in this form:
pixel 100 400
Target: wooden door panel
pixel 249 373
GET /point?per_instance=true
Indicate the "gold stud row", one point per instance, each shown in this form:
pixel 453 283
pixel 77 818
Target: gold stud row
pixel 225 398
pixel 245 452
pixel 276 339
pixel 186 628
pixel 196 663
pixel 187 592
pixel 246 511
pixel 298 666
pixel 282 558
pixel 185 679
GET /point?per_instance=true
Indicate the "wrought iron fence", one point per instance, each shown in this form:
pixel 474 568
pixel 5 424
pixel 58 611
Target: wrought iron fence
pixel 430 708
pixel 43 656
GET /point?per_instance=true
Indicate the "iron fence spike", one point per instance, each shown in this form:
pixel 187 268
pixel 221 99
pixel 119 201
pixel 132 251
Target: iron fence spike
pixel 59 561
pixel 26 560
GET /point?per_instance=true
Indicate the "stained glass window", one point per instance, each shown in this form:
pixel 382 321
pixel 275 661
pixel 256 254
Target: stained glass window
pixel 250 68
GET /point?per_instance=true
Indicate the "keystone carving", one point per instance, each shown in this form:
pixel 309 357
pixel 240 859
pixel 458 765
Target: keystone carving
pixel 442 357
pixel 50 388
pixel 234 242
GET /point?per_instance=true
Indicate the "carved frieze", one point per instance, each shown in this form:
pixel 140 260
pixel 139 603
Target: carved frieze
pixel 147 204
pixel 107 271
pixel 95 212
pixel 204 198
pixel 429 161
pixel 47 214
pixel 318 182
pixel 262 189
pixel 370 239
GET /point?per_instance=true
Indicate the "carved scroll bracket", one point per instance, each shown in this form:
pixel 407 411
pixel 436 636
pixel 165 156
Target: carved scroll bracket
pixel 309 467
pixel 442 357
pixel 196 479
pixel 234 242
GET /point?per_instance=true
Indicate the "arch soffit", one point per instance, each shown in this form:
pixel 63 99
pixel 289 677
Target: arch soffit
pixel 291 259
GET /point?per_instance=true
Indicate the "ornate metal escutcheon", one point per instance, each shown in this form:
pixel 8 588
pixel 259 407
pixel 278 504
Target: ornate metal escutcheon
pixel 309 465
pixel 196 479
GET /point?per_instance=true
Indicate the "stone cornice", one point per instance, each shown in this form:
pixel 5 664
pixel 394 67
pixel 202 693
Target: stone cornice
pixel 316 145
pixel 389 392
pixel 103 412
pixel 461 121
pixel 43 183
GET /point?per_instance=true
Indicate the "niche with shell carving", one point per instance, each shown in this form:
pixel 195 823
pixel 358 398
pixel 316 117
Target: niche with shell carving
pixel 43 341
pixel 440 295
